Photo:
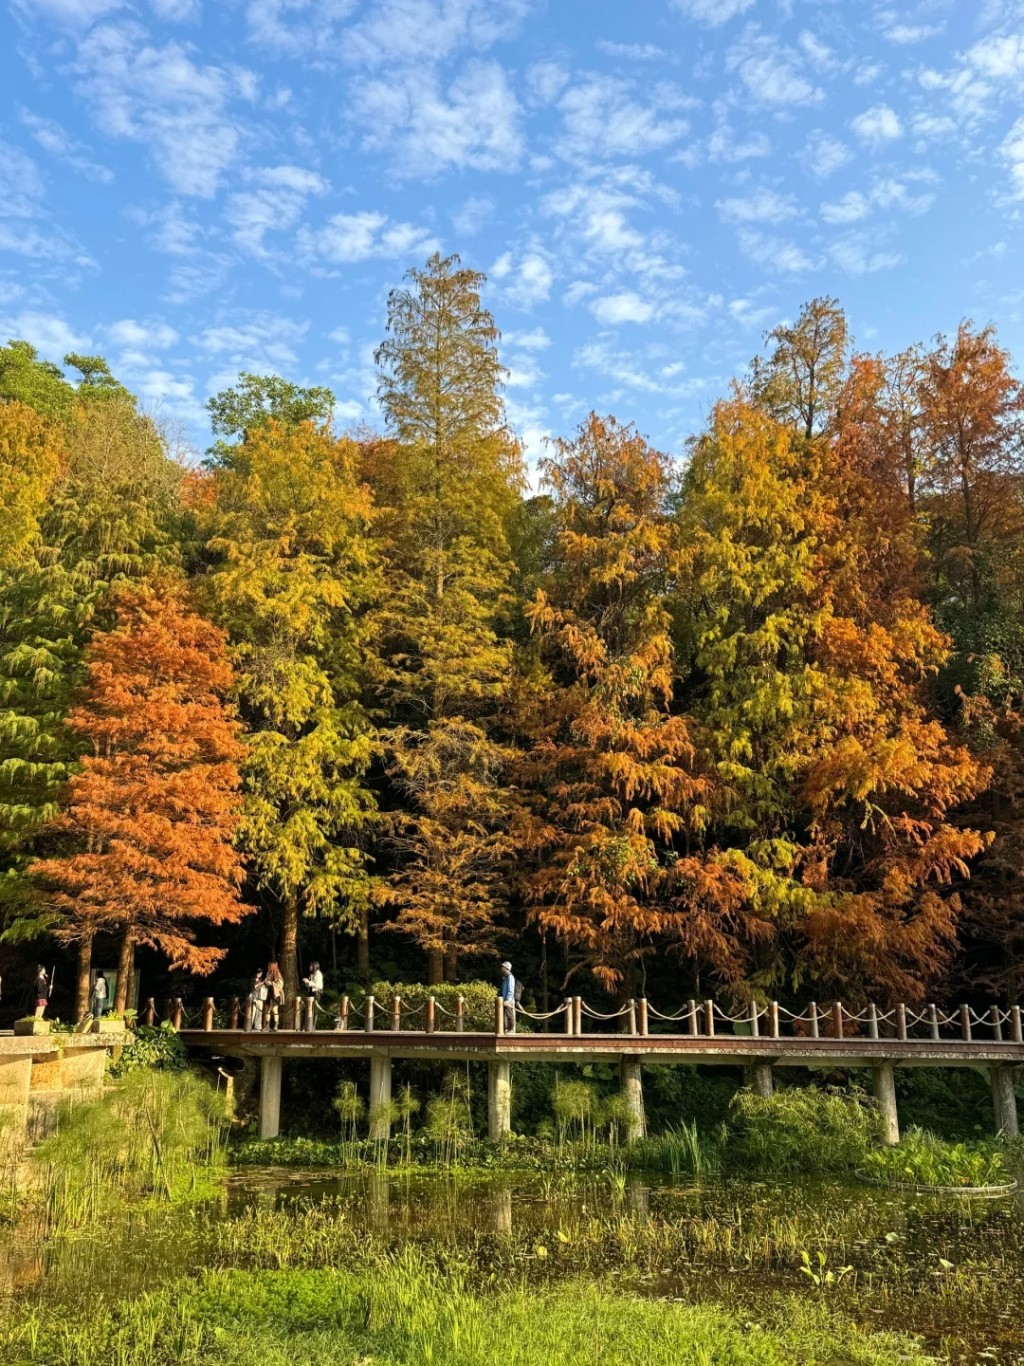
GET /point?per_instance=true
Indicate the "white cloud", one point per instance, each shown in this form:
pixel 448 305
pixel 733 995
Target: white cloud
pixel 534 340
pixel 620 366
pixel 854 255
pixel 824 154
pixel 525 279
pixel 627 307
pixel 21 184
pixel 546 80
pixel 632 52
pixel 472 215
pixel 601 119
pixel 54 139
pixel 424 31
pixel 819 54
pixel 713 13
pixel 725 145
pixel 274 204
pixel 74 13
pixel 258 342
pixel 775 253
pixel 877 124
pixel 141 336
pixel 51 335
pixel 1012 152
pixel 911 33
pixel 474 124
pixel 761 206
pixel 159 97
pixel 770 71
pixel 850 209
pixel 348 238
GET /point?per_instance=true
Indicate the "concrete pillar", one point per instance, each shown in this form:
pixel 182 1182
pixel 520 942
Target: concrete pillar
pixel 380 1097
pixel 883 1081
pixel 499 1101
pixel 762 1080
pixel 270 1095
pixel 1004 1100
pixel 633 1090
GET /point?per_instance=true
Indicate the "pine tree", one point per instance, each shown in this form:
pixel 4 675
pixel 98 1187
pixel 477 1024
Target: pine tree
pixel 154 807
pixel 447 485
pixel 611 788
pixel 289 577
pixel 31 454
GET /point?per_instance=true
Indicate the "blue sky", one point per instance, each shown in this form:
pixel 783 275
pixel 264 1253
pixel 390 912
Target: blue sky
pixel 194 187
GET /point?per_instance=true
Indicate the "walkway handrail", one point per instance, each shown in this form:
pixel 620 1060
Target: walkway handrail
pixel 700 1019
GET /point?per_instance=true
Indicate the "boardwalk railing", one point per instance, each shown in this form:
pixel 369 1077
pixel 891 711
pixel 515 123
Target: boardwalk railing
pixel 574 1017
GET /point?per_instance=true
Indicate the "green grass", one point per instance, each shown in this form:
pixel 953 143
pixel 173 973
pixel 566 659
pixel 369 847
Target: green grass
pixel 410 1313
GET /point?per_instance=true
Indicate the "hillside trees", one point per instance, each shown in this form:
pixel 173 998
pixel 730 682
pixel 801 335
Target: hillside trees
pixel 151 811
pixel 288 578
pixel 447 484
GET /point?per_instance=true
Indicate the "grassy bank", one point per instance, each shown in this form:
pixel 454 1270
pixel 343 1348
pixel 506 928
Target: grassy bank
pixel 408 1311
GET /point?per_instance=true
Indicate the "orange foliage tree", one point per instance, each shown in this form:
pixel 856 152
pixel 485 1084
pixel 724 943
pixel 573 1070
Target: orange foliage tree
pixel 151 815
pixel 608 773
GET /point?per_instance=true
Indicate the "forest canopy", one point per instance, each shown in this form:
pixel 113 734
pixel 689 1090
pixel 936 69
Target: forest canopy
pixel 746 717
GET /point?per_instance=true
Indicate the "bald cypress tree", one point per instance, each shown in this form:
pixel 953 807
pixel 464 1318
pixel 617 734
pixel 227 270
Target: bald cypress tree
pixel 448 486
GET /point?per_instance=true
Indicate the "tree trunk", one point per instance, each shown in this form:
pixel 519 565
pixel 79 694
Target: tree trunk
pixel 363 946
pixel 82 978
pixel 451 963
pixel 124 967
pixel 435 967
pixel 289 959
pixel 130 986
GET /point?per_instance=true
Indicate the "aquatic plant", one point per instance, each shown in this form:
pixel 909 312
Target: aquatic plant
pixel 808 1129
pixel 923 1159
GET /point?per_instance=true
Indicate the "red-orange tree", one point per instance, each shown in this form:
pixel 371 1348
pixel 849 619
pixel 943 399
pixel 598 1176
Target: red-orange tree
pixel 608 774
pixel 152 813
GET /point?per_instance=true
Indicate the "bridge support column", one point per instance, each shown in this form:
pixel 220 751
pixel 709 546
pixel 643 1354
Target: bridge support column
pixel 270 1095
pixel 380 1097
pixel 1004 1100
pixel 499 1101
pixel 883 1082
pixel 631 1082
pixel 762 1079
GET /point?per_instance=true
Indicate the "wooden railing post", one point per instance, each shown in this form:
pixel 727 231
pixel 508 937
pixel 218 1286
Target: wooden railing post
pixel 429 1024
pixel 178 1012
pixel 755 1023
pixel 577 1014
pixel 709 1019
pixel 813 1008
pixel 773 1019
pixel 149 1014
pixel 691 1011
pixel 641 1022
pixel 1015 1025
pixel 297 1013
pixel 236 1010
pixel 901 1021
pixel 872 1021
pixel 208 1008
pixel 396 1014
pixel 933 1020
pixel 310 1014
pixel 460 1015
pixel 499 1016
pixel 343 1013
pixel 837 1019
pixel 567 1007
pixel 631 1017
pixel 997 1024
pixel 965 1023
pixel 368 1010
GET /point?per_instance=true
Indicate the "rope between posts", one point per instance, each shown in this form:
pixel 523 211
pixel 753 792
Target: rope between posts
pixel 596 1015
pixel 658 1015
pixel 540 1016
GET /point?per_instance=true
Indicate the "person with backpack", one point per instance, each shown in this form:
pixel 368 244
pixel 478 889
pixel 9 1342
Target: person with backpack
pixel 275 995
pixel 511 994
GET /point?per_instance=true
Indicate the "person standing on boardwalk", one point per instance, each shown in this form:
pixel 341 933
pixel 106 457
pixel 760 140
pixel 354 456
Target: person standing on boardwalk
pixel 42 990
pixel 275 995
pixel 508 997
pixel 258 1000
pixel 314 983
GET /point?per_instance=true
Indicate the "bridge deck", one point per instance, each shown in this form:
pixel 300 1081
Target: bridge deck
pixel 731 1049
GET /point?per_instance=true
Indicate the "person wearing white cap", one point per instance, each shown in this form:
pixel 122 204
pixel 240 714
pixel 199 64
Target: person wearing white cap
pixel 508 997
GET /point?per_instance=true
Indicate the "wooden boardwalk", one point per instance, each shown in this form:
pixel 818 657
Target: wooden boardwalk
pixel 761 1040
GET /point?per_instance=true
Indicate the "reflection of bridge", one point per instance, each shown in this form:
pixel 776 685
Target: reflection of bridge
pixel 760 1040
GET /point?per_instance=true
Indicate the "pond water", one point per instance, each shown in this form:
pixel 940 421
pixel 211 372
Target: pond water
pixel 950 1269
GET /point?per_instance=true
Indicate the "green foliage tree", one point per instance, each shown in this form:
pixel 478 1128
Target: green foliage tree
pixel 447 486
pixel 256 399
pixel 289 578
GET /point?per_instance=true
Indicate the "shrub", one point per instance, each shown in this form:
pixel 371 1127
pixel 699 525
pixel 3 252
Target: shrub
pixel 159 1049
pixel 478 996
pixel 923 1159
pixel 805 1129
